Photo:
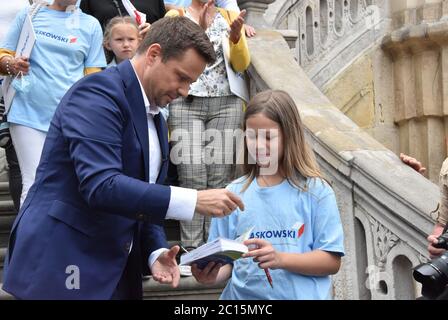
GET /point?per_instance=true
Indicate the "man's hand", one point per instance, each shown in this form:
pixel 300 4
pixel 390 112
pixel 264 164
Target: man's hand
pixel 236 26
pixel 208 275
pixel 217 202
pixel 207 14
pixel 432 239
pixel 165 269
pixel 413 163
pixel 250 31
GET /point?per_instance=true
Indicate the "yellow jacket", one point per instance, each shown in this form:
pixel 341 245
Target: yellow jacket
pixel 239 52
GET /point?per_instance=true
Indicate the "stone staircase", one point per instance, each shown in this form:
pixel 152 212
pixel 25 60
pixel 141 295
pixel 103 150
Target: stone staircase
pixel 187 289
pixel 7 216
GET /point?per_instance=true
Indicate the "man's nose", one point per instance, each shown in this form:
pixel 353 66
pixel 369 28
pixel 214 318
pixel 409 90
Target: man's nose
pixel 183 91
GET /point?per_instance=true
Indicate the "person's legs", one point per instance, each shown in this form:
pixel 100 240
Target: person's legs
pixel 28 144
pixel 225 117
pixel 186 128
pixel 14 176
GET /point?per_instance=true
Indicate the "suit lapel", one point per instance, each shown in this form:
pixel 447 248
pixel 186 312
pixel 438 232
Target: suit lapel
pixel 137 109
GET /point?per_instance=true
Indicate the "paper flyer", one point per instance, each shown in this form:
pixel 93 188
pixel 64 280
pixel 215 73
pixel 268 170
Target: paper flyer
pixel 24 47
pixel 139 17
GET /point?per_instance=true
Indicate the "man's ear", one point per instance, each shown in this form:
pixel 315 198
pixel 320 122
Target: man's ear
pixel 153 53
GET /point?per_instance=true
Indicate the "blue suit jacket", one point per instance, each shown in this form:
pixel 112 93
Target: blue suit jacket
pixel 91 198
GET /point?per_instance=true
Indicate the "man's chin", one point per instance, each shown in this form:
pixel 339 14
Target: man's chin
pixel 167 101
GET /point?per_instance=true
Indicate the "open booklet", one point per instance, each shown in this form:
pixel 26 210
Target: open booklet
pixel 220 250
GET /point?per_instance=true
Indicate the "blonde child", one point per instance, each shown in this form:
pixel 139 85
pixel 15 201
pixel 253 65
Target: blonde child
pixel 121 39
pixel 297 232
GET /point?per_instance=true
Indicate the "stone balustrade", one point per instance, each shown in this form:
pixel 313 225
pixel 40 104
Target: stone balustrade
pixel 330 33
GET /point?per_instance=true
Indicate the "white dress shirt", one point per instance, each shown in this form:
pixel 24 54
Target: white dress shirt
pixel 182 201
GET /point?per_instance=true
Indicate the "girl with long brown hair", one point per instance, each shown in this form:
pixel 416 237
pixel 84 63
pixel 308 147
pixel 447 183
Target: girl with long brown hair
pixel 290 210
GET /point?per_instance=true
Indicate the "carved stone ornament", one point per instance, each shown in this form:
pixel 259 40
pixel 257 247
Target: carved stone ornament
pixel 383 241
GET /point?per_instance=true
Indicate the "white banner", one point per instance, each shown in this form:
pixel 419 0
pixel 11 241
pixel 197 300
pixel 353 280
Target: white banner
pixel 24 47
pixel 139 17
pixel 237 80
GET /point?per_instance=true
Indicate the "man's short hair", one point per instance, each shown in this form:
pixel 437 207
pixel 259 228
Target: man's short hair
pixel 176 35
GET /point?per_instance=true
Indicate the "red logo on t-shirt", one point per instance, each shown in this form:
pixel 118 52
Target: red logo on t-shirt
pixel 300 231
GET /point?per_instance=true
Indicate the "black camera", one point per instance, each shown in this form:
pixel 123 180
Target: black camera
pixel 433 275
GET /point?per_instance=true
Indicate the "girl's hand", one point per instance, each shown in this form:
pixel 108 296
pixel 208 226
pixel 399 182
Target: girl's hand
pixel 207 14
pixel 236 26
pixel 143 29
pixel 263 253
pixel 207 275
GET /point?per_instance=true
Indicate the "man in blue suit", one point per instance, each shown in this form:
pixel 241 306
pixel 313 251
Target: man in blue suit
pixel 91 225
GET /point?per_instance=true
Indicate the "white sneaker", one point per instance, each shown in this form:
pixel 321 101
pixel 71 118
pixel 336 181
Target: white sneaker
pixel 185 271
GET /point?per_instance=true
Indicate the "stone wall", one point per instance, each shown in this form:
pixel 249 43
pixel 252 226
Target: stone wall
pixel 344 58
pixel 382 63
pixel 418 50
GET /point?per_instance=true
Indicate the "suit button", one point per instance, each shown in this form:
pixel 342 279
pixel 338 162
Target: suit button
pixel 140 216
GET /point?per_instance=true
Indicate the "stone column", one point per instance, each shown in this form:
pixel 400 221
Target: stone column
pixel 398 5
pixel 429 121
pixel 405 99
pixel 421 77
pixel 255 12
pixel 444 10
pixel 430 10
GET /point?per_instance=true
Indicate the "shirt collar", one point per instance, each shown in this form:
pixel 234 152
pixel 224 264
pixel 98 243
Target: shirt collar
pixel 149 109
pixel 113 63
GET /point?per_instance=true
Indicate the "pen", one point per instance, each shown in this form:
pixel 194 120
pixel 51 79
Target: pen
pixel 268 275
pixel 183 248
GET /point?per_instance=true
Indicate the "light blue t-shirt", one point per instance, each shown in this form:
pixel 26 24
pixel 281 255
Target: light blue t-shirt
pixel 293 221
pixel 226 4
pixel 66 43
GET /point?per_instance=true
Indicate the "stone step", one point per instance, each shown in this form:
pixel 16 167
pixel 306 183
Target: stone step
pixel 188 289
pixel 4 191
pixel 2 261
pixel 7 216
pixel 4 295
pixel 6 206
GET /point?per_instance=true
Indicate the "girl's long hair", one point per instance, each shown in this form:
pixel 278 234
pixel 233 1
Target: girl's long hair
pixel 108 33
pixel 298 159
